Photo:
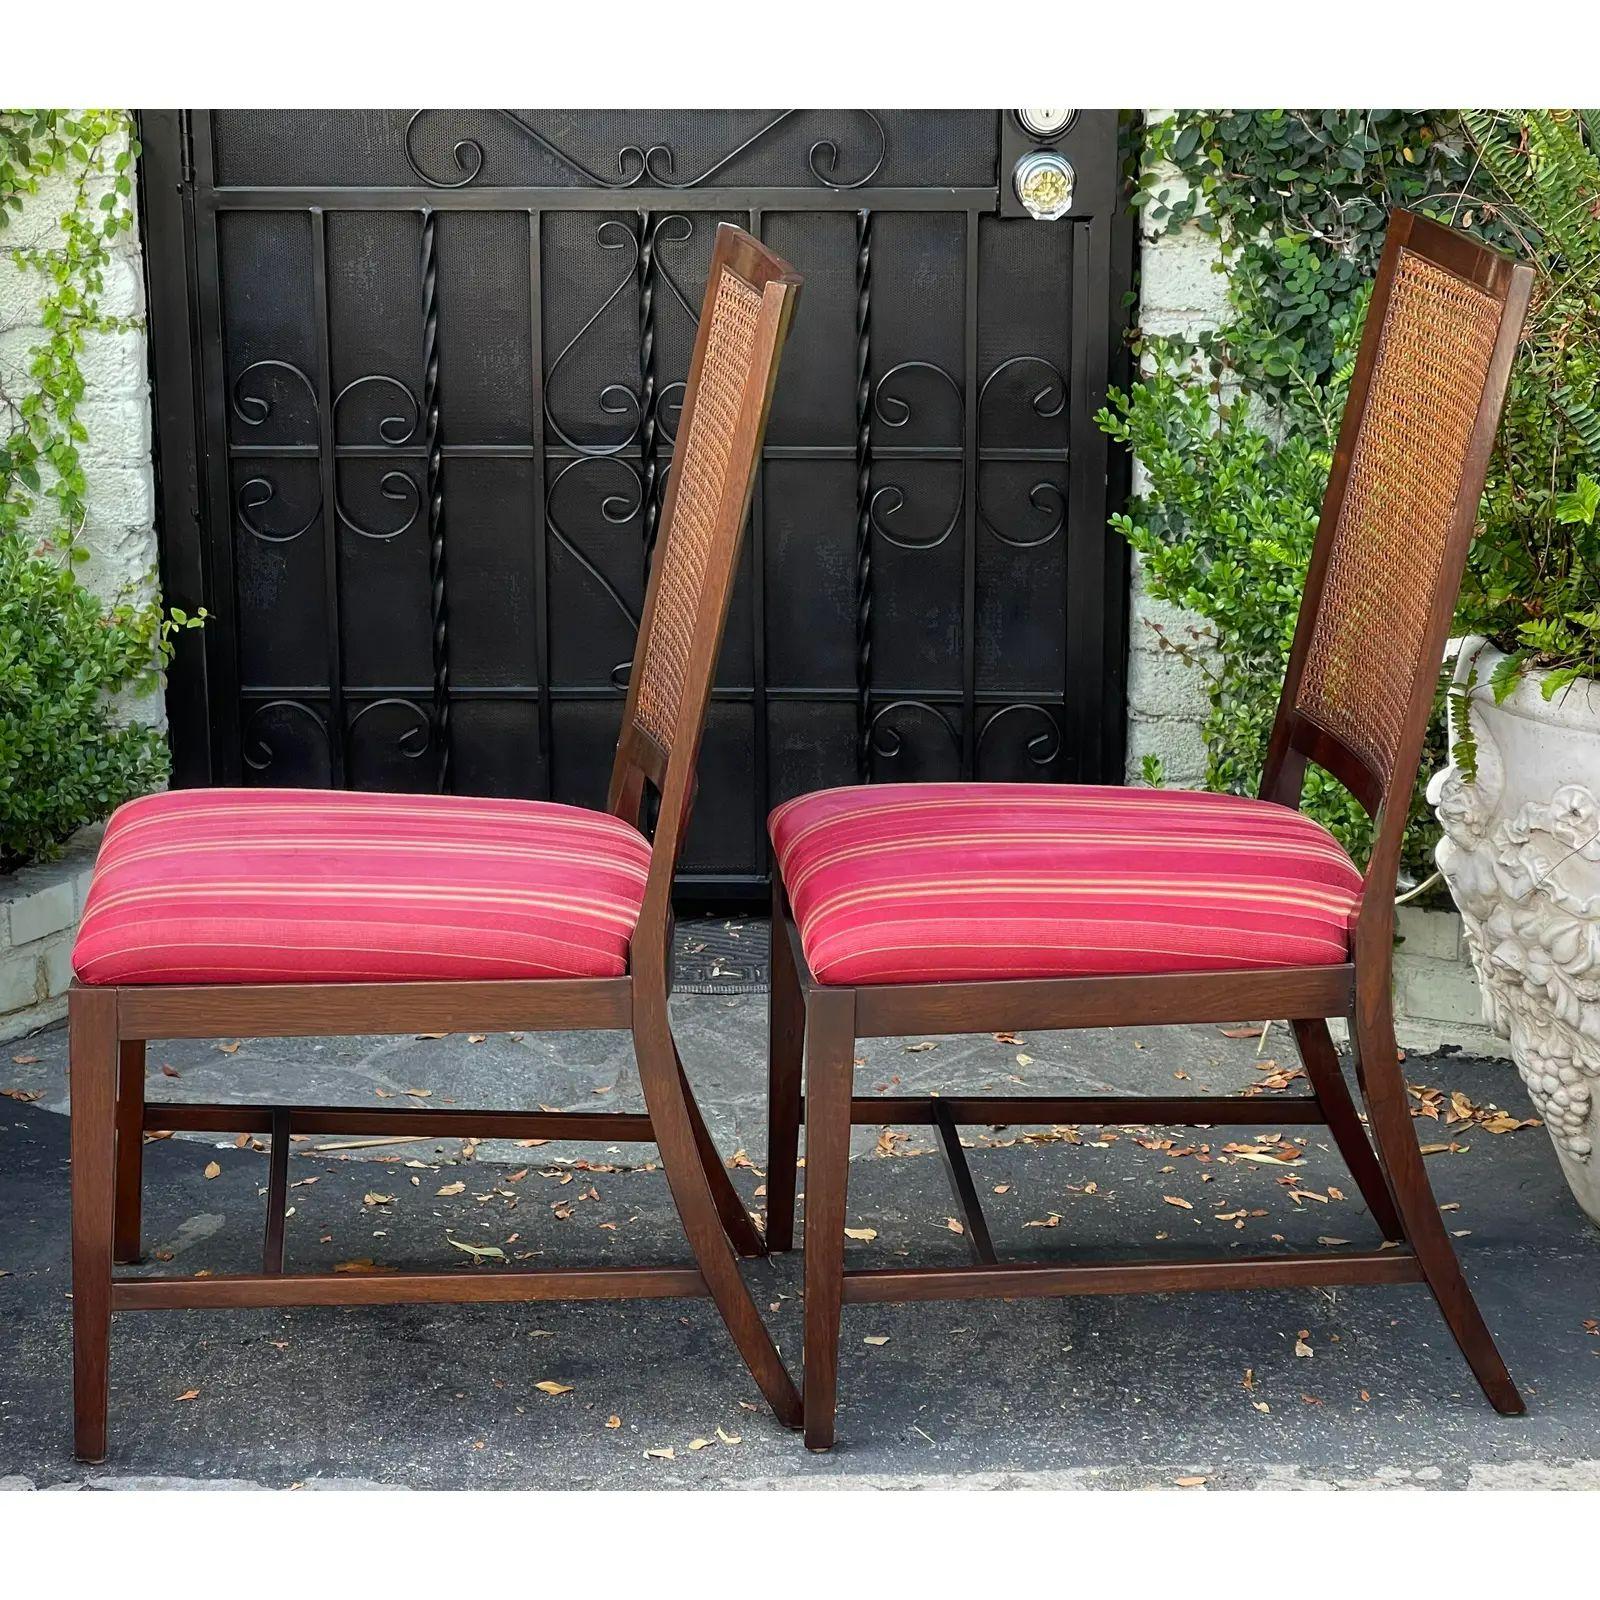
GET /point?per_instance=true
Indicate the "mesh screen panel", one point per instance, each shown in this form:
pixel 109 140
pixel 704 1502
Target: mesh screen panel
pixel 708 476
pixel 1383 570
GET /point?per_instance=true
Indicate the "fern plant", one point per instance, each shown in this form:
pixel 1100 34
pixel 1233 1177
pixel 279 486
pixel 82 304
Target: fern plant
pixel 1533 582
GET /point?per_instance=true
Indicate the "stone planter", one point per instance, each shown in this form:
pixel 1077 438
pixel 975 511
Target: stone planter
pixel 1521 854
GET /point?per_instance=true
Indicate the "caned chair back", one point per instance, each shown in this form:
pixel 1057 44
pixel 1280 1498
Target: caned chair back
pixel 750 296
pixel 1397 520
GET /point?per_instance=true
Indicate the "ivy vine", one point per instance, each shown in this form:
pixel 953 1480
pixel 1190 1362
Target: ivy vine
pixel 68 756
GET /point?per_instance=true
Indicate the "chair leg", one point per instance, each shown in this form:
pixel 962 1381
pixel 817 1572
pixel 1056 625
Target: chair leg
pixel 830 1070
pixel 786 1032
pixel 691 1192
pixel 93 1068
pixel 1392 1129
pixel 742 1232
pixel 130 1150
pixel 1344 1123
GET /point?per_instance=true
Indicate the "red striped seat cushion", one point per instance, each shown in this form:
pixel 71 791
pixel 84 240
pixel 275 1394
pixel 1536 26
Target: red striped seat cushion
pixel 934 882
pixel 304 885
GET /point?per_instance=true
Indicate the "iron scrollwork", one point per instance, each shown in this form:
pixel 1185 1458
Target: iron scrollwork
pixel 415 739
pixel 885 734
pixel 254 409
pixel 1042 748
pixel 655 165
pixel 258 753
pixel 895 411
pixel 1048 401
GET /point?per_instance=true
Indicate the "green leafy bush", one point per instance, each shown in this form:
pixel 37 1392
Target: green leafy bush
pixel 1224 527
pixel 1533 579
pixel 1236 431
pixel 68 752
pixel 66 756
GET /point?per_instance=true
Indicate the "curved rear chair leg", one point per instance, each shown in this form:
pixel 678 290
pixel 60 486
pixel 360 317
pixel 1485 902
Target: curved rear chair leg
pixel 92 1065
pixel 691 1192
pixel 830 1071
pixel 741 1231
pixel 786 1033
pixel 130 1149
pixel 1333 1094
pixel 1390 1119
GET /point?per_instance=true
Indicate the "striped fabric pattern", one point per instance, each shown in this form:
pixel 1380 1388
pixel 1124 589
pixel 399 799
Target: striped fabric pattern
pixel 943 882
pixel 304 886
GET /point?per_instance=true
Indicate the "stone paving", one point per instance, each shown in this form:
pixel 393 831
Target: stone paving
pixel 1108 1392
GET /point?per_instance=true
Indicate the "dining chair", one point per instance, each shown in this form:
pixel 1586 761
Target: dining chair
pixel 945 908
pixel 256 913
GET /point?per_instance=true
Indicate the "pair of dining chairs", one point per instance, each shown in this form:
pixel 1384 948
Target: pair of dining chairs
pixel 912 908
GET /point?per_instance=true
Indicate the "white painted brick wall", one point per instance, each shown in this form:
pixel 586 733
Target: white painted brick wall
pixel 1181 293
pixel 120 532
pixel 39 909
pixel 39 906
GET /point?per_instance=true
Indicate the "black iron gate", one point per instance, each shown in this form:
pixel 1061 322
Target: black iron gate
pixel 417 378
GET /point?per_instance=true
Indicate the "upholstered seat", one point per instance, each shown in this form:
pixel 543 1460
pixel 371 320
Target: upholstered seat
pixel 300 885
pixel 937 882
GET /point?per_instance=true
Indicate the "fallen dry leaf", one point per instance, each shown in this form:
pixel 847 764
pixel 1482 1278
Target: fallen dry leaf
pixel 213 1170
pixel 550 1386
pixel 373 1199
pixel 669 1454
pixel 876 1338
pixel 1301 1348
pixel 729 1438
pixel 451 1188
pixel 26 1061
pixel 1189 1483
pixel 613 1421
pixel 362 1266
pixel 953 1225
pixel 1179 1201
pixel 189 1394
pixel 699 1444
pixel 479 1251
pixel 230 1049
pixel 26 1096
pixel 861 1233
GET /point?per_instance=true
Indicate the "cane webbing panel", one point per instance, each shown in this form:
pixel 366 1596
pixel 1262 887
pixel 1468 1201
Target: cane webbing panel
pixel 1383 571
pixel 708 477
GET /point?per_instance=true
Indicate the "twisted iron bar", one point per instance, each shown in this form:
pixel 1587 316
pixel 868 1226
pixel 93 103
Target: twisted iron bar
pixel 864 517
pixel 438 615
pixel 649 427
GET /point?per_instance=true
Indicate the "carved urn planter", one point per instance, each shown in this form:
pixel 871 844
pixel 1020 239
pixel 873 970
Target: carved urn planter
pixel 1521 854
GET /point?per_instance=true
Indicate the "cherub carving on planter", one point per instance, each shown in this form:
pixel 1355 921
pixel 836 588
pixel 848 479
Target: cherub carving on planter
pixel 1521 854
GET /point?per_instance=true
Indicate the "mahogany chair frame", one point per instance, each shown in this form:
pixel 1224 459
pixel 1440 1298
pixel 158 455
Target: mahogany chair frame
pixel 820 1022
pixel 655 763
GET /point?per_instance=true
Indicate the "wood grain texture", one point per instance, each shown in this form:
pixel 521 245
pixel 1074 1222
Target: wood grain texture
pixel 93 1070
